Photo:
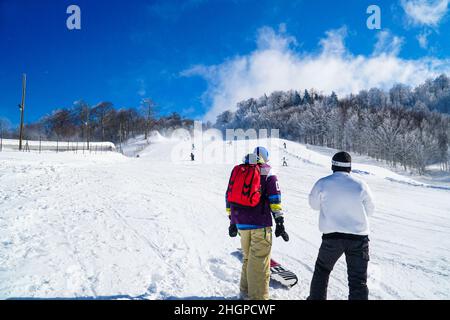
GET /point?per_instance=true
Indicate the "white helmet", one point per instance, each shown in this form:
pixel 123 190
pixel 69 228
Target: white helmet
pixel 262 153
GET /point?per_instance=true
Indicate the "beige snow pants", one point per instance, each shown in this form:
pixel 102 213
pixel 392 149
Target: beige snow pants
pixel 255 276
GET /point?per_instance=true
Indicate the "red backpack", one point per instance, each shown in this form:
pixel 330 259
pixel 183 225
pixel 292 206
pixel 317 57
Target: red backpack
pixel 244 187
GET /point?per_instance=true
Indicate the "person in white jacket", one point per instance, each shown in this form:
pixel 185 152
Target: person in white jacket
pixel 345 204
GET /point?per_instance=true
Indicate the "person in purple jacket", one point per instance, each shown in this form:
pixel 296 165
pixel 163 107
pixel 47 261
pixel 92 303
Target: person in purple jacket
pixel 254 225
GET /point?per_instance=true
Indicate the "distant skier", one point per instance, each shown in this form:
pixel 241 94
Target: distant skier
pixel 345 203
pixel 284 162
pixel 285 147
pixel 252 197
pixel 192 156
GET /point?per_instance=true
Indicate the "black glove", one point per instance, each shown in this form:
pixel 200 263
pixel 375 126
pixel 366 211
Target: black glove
pixel 279 229
pixel 232 230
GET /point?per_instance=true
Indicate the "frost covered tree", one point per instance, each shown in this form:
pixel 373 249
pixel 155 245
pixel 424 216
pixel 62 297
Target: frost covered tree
pixel 403 126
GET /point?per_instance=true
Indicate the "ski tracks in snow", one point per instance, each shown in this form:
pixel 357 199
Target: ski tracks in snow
pixel 126 228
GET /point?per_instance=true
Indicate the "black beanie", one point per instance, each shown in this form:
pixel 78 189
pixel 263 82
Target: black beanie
pixel 342 161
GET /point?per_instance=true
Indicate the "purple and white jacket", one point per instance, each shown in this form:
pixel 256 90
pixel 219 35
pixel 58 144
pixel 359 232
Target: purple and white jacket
pixel 270 204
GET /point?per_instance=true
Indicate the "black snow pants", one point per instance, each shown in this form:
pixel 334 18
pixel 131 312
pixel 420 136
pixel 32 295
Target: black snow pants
pixel 356 250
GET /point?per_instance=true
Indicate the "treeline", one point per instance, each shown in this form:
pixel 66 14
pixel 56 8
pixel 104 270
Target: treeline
pixel 404 126
pixel 101 122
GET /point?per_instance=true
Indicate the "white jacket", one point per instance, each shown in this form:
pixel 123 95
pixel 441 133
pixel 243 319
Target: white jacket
pixel 345 203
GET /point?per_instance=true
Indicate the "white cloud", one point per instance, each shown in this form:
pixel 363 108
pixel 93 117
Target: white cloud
pixel 269 39
pixel 333 44
pixel 275 65
pixel 387 43
pixel 422 38
pixel 425 12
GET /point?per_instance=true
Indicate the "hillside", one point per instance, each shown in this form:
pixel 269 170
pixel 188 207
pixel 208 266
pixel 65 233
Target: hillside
pixel 106 226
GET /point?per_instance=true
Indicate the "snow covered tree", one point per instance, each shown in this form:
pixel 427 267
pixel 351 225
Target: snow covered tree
pixel 398 126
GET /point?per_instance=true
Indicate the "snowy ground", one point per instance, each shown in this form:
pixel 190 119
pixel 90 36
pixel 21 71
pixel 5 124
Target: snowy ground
pixel 111 227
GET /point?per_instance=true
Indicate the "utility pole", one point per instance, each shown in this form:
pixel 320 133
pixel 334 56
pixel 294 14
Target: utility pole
pixel 22 107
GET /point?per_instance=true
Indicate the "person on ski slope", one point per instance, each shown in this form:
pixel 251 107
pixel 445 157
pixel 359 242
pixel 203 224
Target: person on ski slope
pixel 254 225
pixel 345 203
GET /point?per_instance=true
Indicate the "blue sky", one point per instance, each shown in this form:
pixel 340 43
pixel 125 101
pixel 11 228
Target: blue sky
pixel 200 57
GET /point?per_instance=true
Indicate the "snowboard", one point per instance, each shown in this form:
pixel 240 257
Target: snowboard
pixel 282 275
pixel 278 273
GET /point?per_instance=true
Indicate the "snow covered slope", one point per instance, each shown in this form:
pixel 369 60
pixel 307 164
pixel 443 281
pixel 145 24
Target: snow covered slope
pixel 111 227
